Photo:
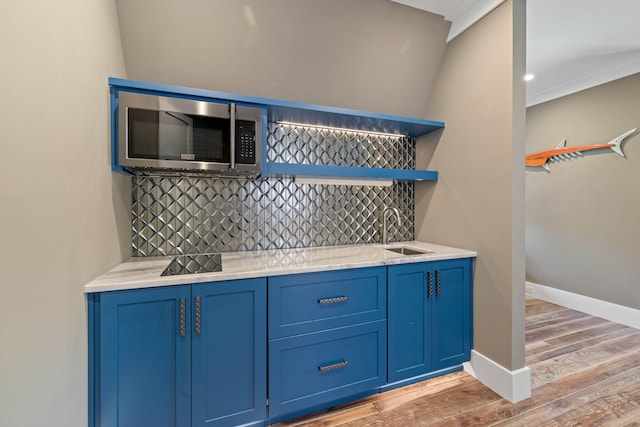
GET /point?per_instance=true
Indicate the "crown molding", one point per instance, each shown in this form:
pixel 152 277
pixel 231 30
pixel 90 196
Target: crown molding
pixel 462 16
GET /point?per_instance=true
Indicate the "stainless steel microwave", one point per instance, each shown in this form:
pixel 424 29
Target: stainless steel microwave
pixel 158 134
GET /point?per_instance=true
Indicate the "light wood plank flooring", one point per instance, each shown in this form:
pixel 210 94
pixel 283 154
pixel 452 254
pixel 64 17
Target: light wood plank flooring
pixel 585 371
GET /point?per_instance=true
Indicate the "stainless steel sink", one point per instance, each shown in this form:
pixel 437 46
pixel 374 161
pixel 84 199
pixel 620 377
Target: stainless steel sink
pixel 405 250
pixel 193 264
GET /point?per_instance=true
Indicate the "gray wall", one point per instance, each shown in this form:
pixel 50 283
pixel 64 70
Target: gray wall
pixel 478 202
pixel 372 55
pixel 583 217
pixel 64 217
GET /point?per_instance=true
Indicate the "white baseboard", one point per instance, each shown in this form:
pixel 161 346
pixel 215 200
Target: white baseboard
pixel 512 385
pixel 595 307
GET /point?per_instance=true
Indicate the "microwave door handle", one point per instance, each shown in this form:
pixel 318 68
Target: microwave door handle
pixel 232 136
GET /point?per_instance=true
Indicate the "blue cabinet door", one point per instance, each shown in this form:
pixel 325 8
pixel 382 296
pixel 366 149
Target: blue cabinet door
pixel 144 358
pixel 229 352
pixel 451 313
pixel 429 317
pixel 409 321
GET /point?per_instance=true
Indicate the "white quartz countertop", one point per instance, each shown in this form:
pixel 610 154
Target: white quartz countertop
pixel 140 272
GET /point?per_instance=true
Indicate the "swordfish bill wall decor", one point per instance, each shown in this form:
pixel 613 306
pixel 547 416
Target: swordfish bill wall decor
pixel 562 152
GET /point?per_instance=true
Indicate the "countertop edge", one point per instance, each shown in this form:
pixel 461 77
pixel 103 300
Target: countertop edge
pixel 142 273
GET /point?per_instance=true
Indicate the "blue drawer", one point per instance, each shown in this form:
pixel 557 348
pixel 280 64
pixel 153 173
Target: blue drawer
pixel 310 302
pixel 310 370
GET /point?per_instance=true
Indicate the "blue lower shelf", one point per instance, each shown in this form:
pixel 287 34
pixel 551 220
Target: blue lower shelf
pixel 290 170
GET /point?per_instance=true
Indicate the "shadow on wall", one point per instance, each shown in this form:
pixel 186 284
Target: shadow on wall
pixel 426 146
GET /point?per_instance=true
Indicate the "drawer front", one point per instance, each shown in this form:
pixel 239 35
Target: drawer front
pixel 310 302
pixel 313 369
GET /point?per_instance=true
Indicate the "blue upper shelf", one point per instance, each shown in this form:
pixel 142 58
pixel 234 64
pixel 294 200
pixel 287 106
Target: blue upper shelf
pixel 286 111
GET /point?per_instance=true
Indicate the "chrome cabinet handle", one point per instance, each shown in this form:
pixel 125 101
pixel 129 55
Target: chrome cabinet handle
pixel 429 284
pixel 438 283
pixel 332 366
pixel 332 300
pixel 183 320
pixel 197 315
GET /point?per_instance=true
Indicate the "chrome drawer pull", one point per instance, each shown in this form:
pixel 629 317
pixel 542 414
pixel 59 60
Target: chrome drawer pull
pixel 332 300
pixel 332 366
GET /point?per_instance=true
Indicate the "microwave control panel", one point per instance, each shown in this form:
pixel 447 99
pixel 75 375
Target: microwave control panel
pixel 245 142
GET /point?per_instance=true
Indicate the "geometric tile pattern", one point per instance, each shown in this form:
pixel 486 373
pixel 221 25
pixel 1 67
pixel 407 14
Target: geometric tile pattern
pixel 180 215
pixel 325 146
pixel 174 216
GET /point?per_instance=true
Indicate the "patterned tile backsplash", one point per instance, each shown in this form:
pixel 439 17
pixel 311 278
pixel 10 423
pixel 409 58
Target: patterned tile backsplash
pixel 173 215
pixel 326 146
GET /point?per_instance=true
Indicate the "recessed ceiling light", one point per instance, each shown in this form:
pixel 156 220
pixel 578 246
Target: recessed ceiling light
pixel 528 77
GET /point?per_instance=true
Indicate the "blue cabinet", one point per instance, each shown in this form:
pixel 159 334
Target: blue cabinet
pixel 327 339
pixel 206 354
pixel 451 313
pixel 144 374
pixel 429 319
pixel 229 341
pixel 180 356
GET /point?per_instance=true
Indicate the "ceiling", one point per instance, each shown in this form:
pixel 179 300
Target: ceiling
pixel 572 45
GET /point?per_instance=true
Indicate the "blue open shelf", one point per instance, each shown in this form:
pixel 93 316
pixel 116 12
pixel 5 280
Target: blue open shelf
pixel 291 170
pixel 281 111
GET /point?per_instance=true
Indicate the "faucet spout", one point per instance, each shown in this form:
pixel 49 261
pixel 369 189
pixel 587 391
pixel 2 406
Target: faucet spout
pixel 385 232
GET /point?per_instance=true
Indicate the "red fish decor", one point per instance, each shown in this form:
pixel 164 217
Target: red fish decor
pixel 562 152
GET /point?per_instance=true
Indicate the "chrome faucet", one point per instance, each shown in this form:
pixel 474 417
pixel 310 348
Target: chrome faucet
pixel 385 234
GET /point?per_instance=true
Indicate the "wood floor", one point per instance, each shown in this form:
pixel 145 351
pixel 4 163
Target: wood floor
pixel 585 371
